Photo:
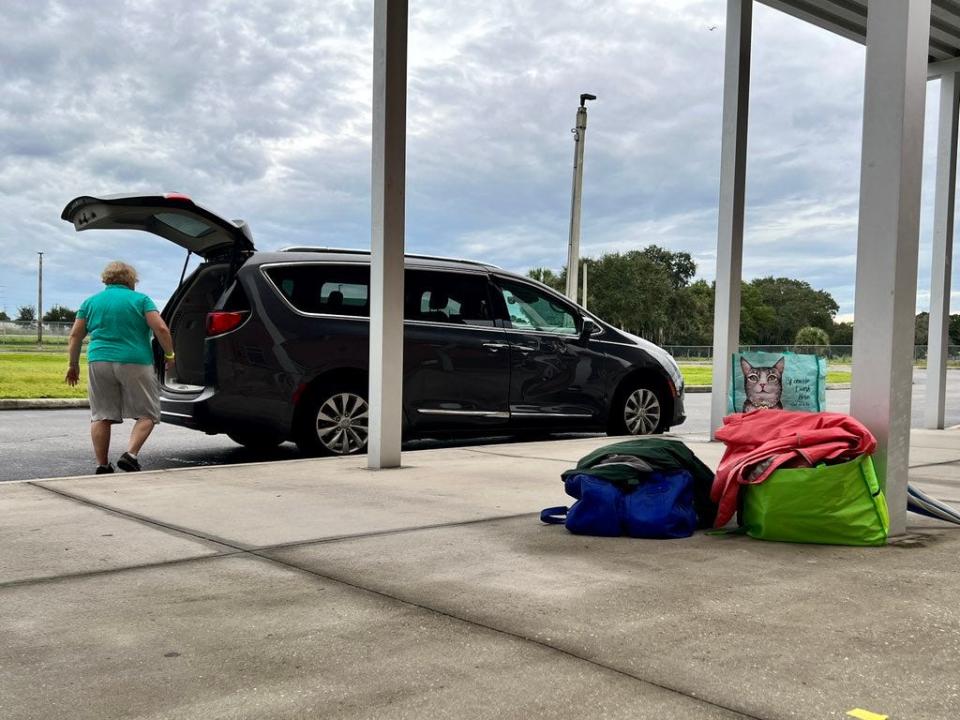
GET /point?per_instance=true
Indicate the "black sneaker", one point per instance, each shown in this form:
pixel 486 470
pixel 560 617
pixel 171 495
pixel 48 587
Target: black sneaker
pixel 128 463
pixel 104 469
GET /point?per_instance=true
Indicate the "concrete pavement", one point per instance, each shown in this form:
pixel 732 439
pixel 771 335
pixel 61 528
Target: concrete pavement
pixel 318 589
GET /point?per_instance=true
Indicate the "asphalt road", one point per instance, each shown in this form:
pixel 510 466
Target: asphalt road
pixel 55 443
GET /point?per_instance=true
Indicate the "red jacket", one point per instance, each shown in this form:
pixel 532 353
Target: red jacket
pixel 783 437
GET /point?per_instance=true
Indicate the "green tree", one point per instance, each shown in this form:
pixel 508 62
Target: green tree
pixel 757 319
pixel 59 313
pixel 26 313
pixel 795 305
pixel 842 334
pixel 640 291
pixel 812 340
pixel 634 291
pixel 3 316
pixel 921 327
pixel 693 315
pixel 549 278
pixel 678 265
pixel 954 332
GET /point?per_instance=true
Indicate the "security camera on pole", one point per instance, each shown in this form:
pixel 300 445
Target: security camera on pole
pixel 573 250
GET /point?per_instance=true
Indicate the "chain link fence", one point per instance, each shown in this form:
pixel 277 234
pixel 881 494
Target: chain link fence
pixel 21 334
pixel 17 333
pixel 839 354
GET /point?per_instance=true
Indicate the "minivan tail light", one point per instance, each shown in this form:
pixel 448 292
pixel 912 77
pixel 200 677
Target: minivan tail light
pixel 221 322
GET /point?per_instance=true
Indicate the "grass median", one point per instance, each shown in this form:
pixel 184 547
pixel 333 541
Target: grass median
pixel 38 375
pixel 31 375
pixel 703 375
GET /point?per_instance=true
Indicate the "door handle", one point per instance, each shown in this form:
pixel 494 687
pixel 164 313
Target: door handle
pixel 523 348
pixel 495 347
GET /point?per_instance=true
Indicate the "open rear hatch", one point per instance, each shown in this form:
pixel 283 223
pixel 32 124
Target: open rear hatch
pixel 171 215
pixel 223 244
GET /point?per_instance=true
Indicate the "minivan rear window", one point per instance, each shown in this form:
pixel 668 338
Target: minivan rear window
pixel 324 289
pixel 185 224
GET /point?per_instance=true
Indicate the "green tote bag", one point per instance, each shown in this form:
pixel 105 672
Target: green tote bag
pixel 828 504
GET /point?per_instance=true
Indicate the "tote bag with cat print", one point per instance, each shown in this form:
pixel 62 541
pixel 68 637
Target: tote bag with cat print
pixel 781 380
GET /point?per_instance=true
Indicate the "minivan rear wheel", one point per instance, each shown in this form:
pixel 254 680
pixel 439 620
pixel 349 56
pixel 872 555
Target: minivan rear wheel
pixel 334 422
pixel 638 410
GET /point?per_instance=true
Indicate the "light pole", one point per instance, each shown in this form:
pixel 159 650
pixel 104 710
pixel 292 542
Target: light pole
pixel 40 301
pixel 573 249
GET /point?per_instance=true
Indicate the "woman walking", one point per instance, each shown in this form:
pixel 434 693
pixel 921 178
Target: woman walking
pixel 122 381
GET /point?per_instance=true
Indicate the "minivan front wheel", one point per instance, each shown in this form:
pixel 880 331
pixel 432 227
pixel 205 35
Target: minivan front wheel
pixel 639 410
pixel 335 423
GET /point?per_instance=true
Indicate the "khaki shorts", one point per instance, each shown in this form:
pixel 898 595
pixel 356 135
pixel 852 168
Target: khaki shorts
pixel 123 390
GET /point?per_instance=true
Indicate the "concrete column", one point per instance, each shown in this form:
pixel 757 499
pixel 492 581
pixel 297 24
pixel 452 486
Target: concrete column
pixel 887 243
pixel 733 175
pixel 387 239
pixel 937 335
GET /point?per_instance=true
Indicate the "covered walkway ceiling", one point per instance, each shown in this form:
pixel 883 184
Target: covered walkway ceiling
pixel 849 19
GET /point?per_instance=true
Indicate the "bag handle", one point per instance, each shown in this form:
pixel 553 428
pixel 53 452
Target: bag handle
pixel 869 476
pixel 554 515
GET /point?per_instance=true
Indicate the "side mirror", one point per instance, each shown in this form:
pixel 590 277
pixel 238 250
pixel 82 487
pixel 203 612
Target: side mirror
pixel 586 330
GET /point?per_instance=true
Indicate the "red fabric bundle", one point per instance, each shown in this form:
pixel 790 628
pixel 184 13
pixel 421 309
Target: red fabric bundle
pixel 762 441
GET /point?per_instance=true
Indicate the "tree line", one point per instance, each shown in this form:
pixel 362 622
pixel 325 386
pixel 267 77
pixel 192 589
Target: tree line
pixel 651 293
pixel 28 314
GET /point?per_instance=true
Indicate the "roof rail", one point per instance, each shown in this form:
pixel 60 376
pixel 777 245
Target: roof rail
pixel 355 251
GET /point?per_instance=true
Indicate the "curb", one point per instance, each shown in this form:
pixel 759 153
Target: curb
pixel 44 404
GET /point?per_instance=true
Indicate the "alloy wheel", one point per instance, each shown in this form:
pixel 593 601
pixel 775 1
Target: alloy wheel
pixel 641 412
pixel 342 423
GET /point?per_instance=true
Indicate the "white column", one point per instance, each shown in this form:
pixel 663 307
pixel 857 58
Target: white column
pixel 887 243
pixel 937 336
pixel 387 239
pixel 733 175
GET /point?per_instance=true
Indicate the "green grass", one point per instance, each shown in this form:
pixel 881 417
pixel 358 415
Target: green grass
pixel 703 375
pixel 39 375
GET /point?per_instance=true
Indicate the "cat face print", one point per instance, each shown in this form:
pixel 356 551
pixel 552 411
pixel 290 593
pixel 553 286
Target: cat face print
pixel 763 385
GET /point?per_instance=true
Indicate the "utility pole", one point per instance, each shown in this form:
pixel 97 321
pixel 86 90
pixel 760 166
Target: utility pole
pixel 573 249
pixel 40 301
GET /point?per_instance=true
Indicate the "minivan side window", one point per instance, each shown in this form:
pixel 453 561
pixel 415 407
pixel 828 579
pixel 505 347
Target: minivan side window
pixel 529 308
pixel 324 289
pixel 455 298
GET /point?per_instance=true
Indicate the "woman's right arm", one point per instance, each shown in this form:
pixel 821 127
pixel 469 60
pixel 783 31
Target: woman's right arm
pixel 74 343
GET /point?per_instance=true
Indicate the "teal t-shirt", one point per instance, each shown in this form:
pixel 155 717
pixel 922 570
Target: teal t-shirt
pixel 117 326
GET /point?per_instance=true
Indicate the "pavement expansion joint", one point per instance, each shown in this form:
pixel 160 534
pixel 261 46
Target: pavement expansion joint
pixel 391 531
pixel 935 464
pixel 507 633
pixel 522 457
pixel 206 537
pixel 232 547
pixel 111 571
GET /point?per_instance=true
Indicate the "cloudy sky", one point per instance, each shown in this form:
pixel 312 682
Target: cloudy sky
pixel 261 111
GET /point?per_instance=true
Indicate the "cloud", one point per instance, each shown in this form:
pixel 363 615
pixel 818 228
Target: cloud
pixel 261 111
